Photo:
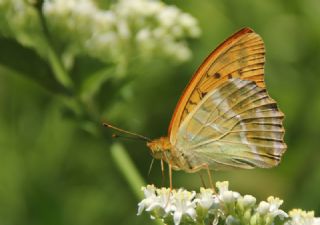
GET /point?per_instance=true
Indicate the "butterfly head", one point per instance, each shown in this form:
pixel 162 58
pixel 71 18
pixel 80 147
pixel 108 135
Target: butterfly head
pixel 159 146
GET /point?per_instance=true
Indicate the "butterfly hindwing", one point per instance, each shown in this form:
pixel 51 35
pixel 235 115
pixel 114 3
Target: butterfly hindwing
pixel 234 125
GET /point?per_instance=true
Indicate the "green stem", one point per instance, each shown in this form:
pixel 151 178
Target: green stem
pixel 127 168
pixel 129 171
pixel 57 67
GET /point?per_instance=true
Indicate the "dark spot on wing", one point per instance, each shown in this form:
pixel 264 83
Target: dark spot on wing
pixel 192 102
pixel 217 75
pixel 203 94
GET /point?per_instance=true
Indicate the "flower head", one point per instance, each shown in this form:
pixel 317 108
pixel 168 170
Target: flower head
pixel 206 198
pixel 222 186
pixel 158 201
pixel 270 210
pixel 301 217
pixel 117 34
pixel 225 207
pixel 150 196
pixel 263 208
pixel 249 200
pixel 163 200
pixel 224 194
pixel 183 205
pixel 274 210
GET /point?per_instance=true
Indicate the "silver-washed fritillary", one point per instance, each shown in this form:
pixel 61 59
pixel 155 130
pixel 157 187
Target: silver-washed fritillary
pixel 225 117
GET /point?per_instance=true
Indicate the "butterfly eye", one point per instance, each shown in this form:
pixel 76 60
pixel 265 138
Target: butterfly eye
pixel 153 147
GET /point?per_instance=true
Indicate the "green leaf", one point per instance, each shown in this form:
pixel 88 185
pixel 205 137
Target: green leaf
pixel 25 61
pixel 92 84
pixel 90 74
pixel 58 69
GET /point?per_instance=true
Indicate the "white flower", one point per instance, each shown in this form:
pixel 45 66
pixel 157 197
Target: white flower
pixel 275 203
pixel 227 197
pixel 190 24
pixel 104 20
pixel 249 200
pixel 167 17
pixel 150 29
pixel 181 52
pixel 150 196
pixel 143 35
pixel 206 198
pixel 183 205
pixel 222 186
pixel 246 204
pixel 123 29
pixel 301 217
pixel 271 208
pixel 163 200
pixel 156 199
pixel 224 194
pixel 159 32
pixel 263 208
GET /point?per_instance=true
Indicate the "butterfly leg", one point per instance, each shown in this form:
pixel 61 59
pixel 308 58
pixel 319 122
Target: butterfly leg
pixel 170 169
pixel 150 167
pixel 162 172
pixel 206 167
pixel 202 180
pixel 209 176
pixel 170 175
pixel 170 180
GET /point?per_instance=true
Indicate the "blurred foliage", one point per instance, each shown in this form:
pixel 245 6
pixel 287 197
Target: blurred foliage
pixel 66 68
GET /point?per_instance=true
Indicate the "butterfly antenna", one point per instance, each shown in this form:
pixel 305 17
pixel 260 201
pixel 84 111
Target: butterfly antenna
pixel 125 137
pixel 139 136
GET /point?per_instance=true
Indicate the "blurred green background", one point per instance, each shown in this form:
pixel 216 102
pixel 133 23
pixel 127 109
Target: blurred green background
pixel 60 76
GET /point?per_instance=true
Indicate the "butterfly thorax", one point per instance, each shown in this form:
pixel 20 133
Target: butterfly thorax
pixel 161 148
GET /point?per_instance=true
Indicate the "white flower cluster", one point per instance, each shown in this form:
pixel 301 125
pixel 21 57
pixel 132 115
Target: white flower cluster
pixel 19 19
pixel 163 202
pixel 128 30
pixel 299 216
pixel 225 207
pixel 128 33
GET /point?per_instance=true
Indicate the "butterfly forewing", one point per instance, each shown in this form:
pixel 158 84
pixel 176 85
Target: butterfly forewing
pixel 225 117
pixel 235 125
pixel 241 55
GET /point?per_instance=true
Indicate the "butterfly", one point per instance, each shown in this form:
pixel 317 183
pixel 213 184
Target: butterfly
pixel 225 117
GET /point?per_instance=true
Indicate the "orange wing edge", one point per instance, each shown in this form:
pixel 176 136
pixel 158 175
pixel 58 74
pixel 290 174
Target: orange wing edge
pixel 193 78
